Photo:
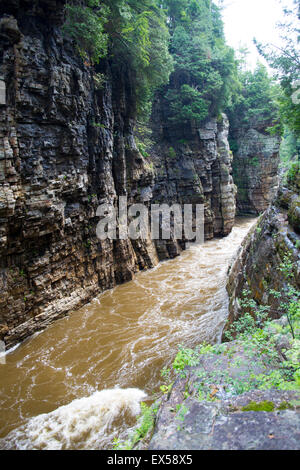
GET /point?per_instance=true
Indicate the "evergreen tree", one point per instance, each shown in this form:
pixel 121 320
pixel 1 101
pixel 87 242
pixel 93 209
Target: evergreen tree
pixel 132 33
pixel 203 79
pixel 256 103
pixel 85 23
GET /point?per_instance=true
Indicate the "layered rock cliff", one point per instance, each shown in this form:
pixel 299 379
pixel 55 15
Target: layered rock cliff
pixel 66 148
pixel 67 145
pixel 255 167
pixel 272 243
pixel 197 166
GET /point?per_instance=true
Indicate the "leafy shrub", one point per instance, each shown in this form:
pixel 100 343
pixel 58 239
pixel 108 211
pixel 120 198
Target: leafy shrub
pixel 172 153
pixel 185 357
pixel 145 424
pixel 85 24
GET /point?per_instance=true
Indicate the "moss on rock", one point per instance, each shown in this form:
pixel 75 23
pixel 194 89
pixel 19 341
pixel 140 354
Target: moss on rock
pixel 262 406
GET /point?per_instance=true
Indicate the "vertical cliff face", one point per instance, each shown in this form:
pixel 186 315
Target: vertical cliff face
pixel 273 241
pixel 196 164
pixel 67 145
pixel 255 168
pixel 65 148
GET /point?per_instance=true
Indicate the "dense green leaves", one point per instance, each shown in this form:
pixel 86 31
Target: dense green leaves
pixel 152 38
pixel 204 66
pixel 133 34
pixel 85 24
pixel 186 104
pixel 139 39
pixel 256 103
pixel 147 37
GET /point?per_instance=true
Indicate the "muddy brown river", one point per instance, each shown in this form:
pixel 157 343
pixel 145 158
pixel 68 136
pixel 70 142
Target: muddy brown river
pixel 78 384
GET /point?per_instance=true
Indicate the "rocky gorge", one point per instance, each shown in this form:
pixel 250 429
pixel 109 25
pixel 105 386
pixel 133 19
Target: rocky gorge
pixel 68 145
pixel 70 141
pixel 233 396
pixel 256 269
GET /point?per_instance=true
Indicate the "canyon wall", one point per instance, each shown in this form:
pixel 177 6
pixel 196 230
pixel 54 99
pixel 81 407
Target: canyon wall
pixel 272 243
pixel 67 145
pixel 243 394
pixel 197 166
pixel 255 167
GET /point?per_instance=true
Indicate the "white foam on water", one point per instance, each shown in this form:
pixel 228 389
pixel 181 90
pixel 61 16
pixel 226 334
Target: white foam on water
pixel 82 424
pixel 4 352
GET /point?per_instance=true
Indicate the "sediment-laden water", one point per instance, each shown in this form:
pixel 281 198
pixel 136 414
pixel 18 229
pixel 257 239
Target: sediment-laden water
pixel 78 384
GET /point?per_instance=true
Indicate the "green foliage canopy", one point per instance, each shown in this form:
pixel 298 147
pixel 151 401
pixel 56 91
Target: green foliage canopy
pixel 132 33
pixel 139 39
pixel 203 79
pixel 85 23
pixel 256 102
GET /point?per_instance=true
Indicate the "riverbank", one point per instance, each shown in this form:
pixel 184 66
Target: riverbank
pixel 244 394
pixel 239 395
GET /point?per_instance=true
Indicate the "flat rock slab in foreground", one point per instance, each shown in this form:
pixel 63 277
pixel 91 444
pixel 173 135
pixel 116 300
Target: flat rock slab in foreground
pixel 223 425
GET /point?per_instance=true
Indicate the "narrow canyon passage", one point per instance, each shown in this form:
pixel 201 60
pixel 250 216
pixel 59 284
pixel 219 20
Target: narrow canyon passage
pixel 119 343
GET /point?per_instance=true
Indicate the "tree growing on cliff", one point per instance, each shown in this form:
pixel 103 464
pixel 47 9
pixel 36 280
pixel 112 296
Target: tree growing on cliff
pixel 256 103
pixel 85 22
pixel 204 66
pixel 139 39
pixel 131 34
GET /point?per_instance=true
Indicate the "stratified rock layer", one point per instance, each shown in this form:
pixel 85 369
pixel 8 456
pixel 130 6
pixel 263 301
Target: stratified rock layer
pixel 228 399
pixel 255 169
pixel 271 243
pixel 196 169
pixel 66 146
